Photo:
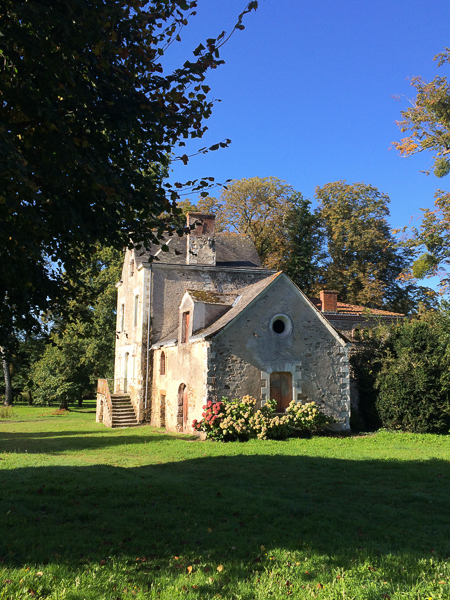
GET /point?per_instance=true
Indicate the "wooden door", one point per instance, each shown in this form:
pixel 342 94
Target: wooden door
pixel 281 389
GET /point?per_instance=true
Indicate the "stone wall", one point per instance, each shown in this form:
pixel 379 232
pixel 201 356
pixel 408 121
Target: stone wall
pixel 244 354
pixel 131 332
pixel 185 365
pixel 170 284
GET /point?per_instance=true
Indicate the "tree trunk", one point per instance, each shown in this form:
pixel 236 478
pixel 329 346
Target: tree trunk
pixel 8 386
pixel 29 397
pixel 80 402
pixel 63 404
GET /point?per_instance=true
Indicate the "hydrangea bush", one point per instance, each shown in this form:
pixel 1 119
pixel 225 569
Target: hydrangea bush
pixel 236 419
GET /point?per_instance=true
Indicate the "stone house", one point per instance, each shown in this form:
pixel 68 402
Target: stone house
pixel 204 320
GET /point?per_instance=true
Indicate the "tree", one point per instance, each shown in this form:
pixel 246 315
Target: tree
pixel 413 383
pixel 305 256
pixel 364 260
pixel 81 349
pixel 431 241
pixel 88 123
pixel 7 375
pixel 258 207
pixel 428 120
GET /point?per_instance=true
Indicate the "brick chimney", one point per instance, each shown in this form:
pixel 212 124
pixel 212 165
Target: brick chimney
pixel 328 299
pixel 201 246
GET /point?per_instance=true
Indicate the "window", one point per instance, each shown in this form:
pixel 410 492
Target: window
pixel 162 364
pixel 122 317
pixel 131 267
pixel 281 326
pixel 136 310
pixel 185 328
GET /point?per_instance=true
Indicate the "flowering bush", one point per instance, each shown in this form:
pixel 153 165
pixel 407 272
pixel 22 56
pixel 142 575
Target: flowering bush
pixel 237 420
pixel 307 416
pixel 212 418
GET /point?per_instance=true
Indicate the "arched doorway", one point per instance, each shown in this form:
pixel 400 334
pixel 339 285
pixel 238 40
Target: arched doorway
pixel 182 414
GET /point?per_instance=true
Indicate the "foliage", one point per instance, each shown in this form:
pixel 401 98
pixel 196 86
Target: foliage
pixel 428 123
pixel 6 367
pixel 414 380
pixel 61 375
pixel 305 255
pixel 81 349
pixel 89 121
pixel 364 260
pixel 260 208
pixel 430 242
pixel 236 419
pixel 366 360
pixel 428 120
pixel 306 416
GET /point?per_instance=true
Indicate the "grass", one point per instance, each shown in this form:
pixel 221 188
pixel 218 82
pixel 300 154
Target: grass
pixel 88 512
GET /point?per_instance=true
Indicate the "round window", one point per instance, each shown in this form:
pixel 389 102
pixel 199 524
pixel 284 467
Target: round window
pixel 281 325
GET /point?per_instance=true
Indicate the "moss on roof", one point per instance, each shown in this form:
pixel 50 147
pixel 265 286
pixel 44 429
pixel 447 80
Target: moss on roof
pixel 209 297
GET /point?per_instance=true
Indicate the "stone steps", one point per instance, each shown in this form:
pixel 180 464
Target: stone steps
pixel 123 414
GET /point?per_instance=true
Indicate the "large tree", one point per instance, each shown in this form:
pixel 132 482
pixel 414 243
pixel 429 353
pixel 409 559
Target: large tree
pixel 364 259
pixel 428 124
pixel 88 121
pixel 428 120
pixel 306 256
pixel 81 346
pixel 260 208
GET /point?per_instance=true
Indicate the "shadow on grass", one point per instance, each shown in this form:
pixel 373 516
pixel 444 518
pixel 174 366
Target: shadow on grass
pixel 55 442
pixel 226 507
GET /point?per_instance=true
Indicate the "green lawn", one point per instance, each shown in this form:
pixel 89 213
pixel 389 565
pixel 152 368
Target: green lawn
pixel 90 513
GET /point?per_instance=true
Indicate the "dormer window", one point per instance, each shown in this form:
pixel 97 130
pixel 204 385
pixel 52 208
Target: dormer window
pixel 185 317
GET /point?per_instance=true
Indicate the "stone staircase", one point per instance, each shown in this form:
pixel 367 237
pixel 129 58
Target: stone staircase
pixel 122 411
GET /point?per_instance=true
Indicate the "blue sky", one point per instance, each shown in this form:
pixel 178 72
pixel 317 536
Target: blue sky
pixel 307 93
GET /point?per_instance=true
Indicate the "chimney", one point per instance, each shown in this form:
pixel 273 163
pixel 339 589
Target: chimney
pixel 201 246
pixel 328 299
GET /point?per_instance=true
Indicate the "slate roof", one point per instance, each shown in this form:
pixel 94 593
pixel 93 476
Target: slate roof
pixel 232 250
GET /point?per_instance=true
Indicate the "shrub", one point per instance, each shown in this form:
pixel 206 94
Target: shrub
pixel 366 363
pixel 414 380
pixel 307 417
pixel 237 420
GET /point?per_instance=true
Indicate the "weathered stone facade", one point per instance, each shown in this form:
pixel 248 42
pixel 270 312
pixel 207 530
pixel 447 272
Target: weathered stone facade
pixel 214 323
pixel 245 354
